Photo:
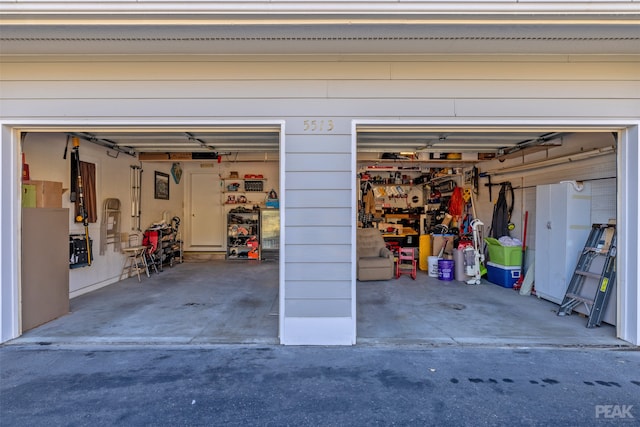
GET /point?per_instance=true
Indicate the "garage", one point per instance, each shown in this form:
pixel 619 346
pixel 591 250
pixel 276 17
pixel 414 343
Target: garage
pixel 392 158
pixel 233 217
pixel 332 93
pixel 403 321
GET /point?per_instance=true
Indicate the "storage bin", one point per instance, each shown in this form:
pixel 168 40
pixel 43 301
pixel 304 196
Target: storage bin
pixel 502 275
pixel 256 186
pixel 510 256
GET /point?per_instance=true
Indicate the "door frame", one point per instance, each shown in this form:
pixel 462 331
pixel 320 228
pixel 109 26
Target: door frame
pixel 10 204
pixel 628 205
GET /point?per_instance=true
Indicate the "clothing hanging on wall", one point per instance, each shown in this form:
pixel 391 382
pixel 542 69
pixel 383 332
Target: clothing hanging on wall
pixel 502 212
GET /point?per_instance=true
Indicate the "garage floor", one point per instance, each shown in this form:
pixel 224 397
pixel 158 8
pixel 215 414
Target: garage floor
pixel 237 302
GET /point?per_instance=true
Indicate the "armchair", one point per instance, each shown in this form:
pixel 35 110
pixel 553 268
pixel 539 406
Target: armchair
pixel 375 261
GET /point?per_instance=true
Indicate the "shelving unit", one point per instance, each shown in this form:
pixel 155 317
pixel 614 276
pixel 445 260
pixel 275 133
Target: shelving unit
pixel 168 249
pixel 404 194
pixel 244 192
pixel 398 195
pixel 243 234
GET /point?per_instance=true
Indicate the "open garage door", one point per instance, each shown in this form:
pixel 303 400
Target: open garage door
pixel 178 289
pixel 422 187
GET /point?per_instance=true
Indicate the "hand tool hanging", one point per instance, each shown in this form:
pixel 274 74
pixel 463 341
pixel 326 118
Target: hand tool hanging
pixel 82 214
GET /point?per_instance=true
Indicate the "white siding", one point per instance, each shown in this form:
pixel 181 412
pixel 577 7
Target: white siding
pixel 338 89
pixel 317 182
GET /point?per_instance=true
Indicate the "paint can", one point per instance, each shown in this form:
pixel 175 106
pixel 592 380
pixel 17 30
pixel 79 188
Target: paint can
pixel 433 266
pixel 445 269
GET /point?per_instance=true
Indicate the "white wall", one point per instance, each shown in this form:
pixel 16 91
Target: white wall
pixel 44 155
pixel 525 182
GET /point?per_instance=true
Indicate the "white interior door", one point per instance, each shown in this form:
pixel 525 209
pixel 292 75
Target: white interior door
pixel 206 212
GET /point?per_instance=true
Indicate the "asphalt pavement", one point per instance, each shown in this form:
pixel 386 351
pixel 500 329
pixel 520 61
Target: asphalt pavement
pixel 240 385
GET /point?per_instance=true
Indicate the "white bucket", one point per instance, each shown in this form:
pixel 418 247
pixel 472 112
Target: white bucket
pixel 432 262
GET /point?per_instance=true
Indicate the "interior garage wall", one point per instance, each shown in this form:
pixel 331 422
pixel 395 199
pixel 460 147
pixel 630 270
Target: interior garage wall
pixel 300 89
pixel 156 210
pixel 600 170
pixel 44 155
pixel 241 163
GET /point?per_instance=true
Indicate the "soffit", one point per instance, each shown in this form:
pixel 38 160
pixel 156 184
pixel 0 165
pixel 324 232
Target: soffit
pixel 296 39
pixel 317 11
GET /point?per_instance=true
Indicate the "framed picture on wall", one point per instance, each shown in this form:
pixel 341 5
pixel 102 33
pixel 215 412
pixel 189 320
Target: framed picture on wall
pixel 161 186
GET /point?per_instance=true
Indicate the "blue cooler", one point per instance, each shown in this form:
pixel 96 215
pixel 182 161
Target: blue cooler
pixel 502 275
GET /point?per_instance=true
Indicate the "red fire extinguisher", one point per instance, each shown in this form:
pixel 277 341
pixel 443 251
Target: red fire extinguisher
pixel 25 169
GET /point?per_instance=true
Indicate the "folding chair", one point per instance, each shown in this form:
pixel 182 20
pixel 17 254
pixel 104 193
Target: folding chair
pixel 406 263
pixel 134 258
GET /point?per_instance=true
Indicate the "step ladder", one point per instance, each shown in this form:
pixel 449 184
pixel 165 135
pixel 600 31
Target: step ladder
pixel 600 243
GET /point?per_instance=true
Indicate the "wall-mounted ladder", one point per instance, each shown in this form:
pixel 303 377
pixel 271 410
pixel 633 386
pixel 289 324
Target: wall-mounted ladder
pixel 110 226
pixel 135 179
pixel 600 243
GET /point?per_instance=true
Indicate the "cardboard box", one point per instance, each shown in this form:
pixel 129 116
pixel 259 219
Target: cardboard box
pixel 153 156
pixel 28 196
pixel 48 193
pixel 438 242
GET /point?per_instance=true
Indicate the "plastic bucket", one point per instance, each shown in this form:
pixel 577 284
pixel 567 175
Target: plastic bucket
pixel 445 269
pixel 433 266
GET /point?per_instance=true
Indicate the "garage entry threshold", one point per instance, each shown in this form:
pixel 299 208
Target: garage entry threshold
pixel 236 302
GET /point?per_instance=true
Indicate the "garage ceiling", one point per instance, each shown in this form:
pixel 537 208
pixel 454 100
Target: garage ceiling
pixel 371 139
pixel 414 139
pixel 221 139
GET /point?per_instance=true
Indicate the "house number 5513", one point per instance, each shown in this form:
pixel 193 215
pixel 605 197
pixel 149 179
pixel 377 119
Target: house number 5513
pixel 318 125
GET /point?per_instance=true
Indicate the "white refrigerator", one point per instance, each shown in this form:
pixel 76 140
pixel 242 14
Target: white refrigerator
pixel 563 223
